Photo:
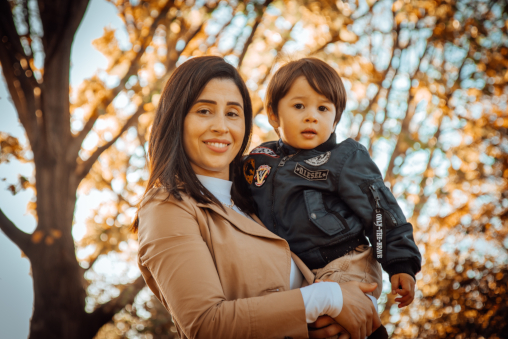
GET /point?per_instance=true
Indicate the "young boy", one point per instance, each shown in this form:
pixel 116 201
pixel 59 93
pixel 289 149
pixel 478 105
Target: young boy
pixel 324 198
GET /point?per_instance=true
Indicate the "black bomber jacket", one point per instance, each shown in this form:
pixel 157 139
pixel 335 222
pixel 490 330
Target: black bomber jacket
pixel 323 201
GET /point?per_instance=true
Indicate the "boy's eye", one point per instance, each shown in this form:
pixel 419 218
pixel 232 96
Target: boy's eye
pixel 322 108
pixel 299 106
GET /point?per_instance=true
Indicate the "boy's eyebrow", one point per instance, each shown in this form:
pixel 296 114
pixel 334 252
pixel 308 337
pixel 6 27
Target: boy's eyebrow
pixel 303 97
pixel 206 101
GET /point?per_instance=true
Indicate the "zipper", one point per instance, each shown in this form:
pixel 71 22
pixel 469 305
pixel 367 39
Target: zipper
pixel 377 198
pixel 282 162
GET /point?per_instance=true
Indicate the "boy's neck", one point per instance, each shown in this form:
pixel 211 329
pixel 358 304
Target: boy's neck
pixel 326 146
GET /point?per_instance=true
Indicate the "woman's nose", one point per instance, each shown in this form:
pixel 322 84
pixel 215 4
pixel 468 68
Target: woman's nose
pixel 219 124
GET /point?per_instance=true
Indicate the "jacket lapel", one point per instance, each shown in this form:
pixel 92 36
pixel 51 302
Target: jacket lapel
pixel 243 223
pixel 257 228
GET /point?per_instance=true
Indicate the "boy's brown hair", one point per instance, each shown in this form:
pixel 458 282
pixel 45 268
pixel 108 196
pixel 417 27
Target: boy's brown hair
pixel 320 76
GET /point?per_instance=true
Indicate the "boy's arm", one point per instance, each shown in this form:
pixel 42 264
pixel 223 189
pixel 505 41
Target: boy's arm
pixel 358 175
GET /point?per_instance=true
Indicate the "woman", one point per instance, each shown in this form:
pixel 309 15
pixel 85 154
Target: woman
pixel 203 252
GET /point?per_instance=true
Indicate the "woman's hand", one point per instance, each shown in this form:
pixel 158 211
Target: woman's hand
pixel 358 316
pixel 325 327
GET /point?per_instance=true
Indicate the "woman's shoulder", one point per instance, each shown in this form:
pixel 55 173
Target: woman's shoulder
pixel 160 197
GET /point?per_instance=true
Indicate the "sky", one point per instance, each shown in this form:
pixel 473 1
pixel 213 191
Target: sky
pixel 16 290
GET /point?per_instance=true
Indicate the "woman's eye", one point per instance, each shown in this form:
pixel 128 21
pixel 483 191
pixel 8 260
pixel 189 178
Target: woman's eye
pixel 232 114
pixel 204 111
pixel 299 106
pixel 323 108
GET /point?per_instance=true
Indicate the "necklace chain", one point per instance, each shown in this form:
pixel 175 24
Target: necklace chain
pixel 230 206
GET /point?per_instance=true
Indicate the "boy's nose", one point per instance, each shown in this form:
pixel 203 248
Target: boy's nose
pixel 311 116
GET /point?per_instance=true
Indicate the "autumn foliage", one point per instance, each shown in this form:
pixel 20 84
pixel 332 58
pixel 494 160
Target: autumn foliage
pixel 427 86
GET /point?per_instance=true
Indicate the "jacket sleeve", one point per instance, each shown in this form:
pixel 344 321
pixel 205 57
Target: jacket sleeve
pixel 182 268
pixel 357 173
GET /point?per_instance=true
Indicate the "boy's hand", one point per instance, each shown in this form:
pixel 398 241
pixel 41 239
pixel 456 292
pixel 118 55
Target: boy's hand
pixel 404 285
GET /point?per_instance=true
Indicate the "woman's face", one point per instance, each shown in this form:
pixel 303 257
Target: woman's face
pixel 214 129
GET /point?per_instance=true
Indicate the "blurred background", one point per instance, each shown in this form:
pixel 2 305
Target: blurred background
pixel 427 85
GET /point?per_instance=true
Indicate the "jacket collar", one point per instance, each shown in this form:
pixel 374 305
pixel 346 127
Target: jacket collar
pixel 253 227
pixel 324 147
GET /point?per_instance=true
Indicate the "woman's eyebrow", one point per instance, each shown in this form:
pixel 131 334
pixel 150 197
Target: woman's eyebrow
pixel 234 103
pixel 206 101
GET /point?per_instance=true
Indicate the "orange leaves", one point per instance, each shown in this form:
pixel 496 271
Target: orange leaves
pixel 108 45
pixel 10 148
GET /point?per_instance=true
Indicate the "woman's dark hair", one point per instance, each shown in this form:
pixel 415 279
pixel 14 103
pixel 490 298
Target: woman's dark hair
pixel 169 165
pixel 320 76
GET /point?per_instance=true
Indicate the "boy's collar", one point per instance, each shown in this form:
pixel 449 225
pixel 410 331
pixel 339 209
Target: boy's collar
pixel 324 147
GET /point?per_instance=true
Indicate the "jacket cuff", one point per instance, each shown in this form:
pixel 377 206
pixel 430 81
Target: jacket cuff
pixel 403 266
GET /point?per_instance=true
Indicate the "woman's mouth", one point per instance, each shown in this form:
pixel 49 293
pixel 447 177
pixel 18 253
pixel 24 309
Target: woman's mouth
pixel 309 133
pixel 218 146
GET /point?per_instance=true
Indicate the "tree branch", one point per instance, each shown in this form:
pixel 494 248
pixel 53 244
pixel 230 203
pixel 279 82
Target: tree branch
pixel 133 69
pixel 60 19
pixel 105 313
pixel 83 168
pixel 253 32
pixel 16 69
pixel 20 238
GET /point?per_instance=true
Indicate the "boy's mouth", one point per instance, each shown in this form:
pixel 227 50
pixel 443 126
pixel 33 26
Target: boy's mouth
pixel 309 133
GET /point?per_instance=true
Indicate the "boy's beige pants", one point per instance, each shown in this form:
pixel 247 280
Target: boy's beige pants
pixel 357 265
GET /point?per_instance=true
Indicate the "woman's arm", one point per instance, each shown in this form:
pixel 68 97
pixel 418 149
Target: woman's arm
pixel 173 250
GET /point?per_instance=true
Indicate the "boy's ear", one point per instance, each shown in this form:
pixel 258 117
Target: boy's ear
pixel 272 119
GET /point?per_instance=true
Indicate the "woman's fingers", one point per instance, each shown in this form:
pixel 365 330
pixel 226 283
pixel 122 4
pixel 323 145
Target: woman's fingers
pixel 322 321
pixel 344 336
pixel 358 315
pixel 327 331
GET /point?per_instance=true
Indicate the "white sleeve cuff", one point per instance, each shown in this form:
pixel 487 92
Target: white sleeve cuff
pixel 320 299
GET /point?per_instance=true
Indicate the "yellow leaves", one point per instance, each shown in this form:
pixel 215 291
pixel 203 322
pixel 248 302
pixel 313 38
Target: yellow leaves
pixel 108 45
pixel 400 17
pixel 10 148
pixel 175 27
pixel 397 5
pixel 423 93
pixel 148 107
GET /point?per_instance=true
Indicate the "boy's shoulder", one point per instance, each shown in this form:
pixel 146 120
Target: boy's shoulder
pixel 268 148
pixel 347 146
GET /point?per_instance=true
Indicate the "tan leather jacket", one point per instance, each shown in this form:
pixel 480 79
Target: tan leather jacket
pixel 220 274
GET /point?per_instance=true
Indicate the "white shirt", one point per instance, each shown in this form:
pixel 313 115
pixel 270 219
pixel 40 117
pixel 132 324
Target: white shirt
pixel 319 299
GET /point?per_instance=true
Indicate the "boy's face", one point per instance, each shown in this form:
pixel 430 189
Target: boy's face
pixel 306 118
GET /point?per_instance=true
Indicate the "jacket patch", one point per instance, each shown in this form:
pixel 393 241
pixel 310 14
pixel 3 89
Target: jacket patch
pixel 249 166
pixel 264 151
pixel 261 174
pixel 310 175
pixel 319 160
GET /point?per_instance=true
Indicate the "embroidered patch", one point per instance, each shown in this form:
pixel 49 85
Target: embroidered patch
pixel 261 174
pixel 319 160
pixel 249 166
pixel 310 175
pixel 264 151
